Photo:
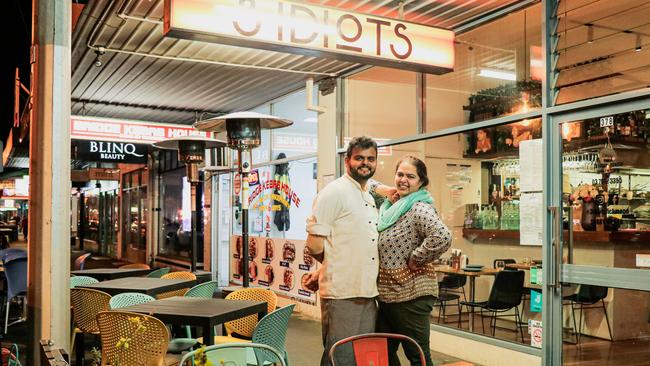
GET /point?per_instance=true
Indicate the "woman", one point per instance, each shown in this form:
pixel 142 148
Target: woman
pixel 411 237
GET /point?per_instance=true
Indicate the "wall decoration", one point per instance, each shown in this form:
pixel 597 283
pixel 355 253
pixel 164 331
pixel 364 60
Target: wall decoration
pixel 280 265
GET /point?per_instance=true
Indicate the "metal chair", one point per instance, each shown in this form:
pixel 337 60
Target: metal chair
pixel 372 349
pixel 244 327
pixel 135 266
pixel 231 354
pixel 157 273
pixel 505 295
pixel 450 289
pixel 128 299
pixel 205 290
pixel 505 261
pixel 80 261
pixel 81 280
pixel 86 304
pixel 16 273
pixel 132 339
pixel 181 275
pixel 586 298
pixel 272 331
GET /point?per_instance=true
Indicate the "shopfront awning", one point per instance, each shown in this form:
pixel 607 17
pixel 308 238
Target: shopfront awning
pixel 123 66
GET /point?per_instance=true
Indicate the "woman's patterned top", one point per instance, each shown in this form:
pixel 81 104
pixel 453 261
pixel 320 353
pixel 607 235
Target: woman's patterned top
pixel 419 233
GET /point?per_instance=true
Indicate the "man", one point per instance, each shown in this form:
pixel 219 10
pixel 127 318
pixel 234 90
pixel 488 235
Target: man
pixel 342 234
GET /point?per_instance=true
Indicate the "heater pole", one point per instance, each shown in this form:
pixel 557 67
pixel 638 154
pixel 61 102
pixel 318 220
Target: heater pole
pixel 244 227
pixel 194 225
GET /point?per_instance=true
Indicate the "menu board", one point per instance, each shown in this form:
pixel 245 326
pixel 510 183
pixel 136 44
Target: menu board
pixel 278 264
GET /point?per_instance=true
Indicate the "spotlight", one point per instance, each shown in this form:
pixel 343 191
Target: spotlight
pixel 98 59
pixel 638 43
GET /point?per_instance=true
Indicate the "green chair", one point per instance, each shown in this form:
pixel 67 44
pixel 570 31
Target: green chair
pixel 231 354
pixel 159 272
pixel 81 280
pixel 204 290
pixel 271 331
pixel 128 299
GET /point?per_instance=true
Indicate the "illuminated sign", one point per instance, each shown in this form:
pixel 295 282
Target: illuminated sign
pixel 317 31
pixel 110 151
pixel 86 128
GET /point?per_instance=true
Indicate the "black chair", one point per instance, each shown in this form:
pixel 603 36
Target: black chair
pixel 505 295
pixel 450 289
pixel 505 261
pixel 586 298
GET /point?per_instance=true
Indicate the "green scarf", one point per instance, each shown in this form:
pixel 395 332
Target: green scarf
pixel 389 213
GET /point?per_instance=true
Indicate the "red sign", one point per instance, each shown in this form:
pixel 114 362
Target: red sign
pixel 253 178
pixel 87 128
pixel 237 184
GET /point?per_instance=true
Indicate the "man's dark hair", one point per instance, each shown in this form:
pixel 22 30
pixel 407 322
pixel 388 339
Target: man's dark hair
pixel 360 142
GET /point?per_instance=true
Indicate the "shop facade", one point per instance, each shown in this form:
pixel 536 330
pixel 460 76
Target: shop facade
pixel 529 161
pixel 537 153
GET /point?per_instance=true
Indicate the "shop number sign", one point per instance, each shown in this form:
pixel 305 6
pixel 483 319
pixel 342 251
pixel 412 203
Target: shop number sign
pixel 312 30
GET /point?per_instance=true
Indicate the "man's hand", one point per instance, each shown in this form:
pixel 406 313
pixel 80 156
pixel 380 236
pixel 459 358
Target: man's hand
pixel 310 281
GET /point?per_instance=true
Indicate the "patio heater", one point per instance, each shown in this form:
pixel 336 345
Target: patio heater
pixel 244 134
pixel 191 151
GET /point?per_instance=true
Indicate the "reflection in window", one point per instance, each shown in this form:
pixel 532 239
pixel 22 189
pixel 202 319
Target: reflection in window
pixel 498 72
pixel 602 48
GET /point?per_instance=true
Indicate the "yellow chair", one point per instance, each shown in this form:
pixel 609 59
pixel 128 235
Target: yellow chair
pixel 133 339
pixel 86 304
pixel 181 275
pixel 135 266
pixel 246 325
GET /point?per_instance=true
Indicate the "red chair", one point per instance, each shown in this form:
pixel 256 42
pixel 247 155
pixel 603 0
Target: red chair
pixel 372 349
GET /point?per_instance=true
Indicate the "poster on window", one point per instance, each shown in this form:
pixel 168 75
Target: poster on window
pixel 278 264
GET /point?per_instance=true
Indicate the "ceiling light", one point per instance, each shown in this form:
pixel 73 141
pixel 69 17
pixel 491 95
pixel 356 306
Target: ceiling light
pixel 638 43
pixel 98 60
pixel 498 74
pixel 590 33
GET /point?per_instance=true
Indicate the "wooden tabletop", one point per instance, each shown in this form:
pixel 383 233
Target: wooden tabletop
pixel 482 272
pixel 102 274
pixel 145 285
pixel 521 266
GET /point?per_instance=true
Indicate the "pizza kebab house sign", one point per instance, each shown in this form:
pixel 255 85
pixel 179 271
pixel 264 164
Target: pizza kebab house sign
pixel 121 141
pixel 311 30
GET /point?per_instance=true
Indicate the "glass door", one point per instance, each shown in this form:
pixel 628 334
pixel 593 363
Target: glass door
pixel 599 231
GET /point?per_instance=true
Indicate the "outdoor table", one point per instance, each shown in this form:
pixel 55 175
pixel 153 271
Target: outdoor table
pixel 199 312
pixel 145 285
pixel 202 276
pixel 102 274
pixel 472 285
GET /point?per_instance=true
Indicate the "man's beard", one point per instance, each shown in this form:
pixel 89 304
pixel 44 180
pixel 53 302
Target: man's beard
pixel 356 175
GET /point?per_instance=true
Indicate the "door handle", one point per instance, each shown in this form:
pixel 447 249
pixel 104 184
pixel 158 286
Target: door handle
pixel 556 230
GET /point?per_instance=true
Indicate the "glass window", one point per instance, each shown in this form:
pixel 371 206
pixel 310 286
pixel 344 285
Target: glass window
pixel 476 181
pixel 275 211
pixel 381 102
pixel 299 138
pixel 602 48
pixel 176 216
pixel 498 72
pixel 606 184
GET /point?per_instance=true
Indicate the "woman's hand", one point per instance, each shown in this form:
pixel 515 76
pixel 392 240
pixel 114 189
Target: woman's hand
pixel 394 198
pixel 386 191
pixel 413 266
